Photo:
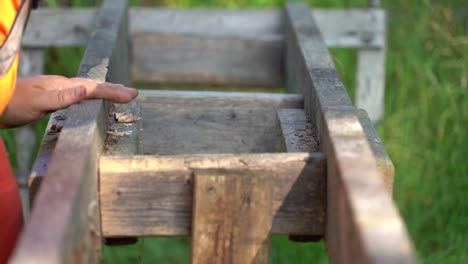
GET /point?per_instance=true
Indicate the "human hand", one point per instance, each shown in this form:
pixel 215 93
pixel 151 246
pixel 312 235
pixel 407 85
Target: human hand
pixel 37 96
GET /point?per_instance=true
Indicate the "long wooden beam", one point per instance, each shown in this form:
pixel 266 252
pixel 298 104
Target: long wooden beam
pixel 341 27
pixel 65 223
pixel 152 195
pixel 363 224
pixel 218 47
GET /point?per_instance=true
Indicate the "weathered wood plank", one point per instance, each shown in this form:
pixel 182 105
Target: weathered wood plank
pixel 217 46
pixel 296 133
pixel 232 216
pixel 65 223
pixel 341 28
pixel 225 47
pixel 211 122
pixel 124 138
pixel 152 195
pixel 59 27
pixel 363 224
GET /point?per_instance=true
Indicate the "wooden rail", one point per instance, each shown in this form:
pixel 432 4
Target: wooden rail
pixel 166 184
pixel 363 224
pixel 321 177
pixel 65 223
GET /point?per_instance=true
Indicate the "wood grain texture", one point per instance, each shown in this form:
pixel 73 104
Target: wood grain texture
pixel 217 46
pixel 152 195
pixel 232 216
pixel 296 132
pixel 211 122
pixel 363 224
pixel 65 225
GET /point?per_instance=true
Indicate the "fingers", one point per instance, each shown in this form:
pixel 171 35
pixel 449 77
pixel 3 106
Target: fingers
pixel 61 98
pixel 103 90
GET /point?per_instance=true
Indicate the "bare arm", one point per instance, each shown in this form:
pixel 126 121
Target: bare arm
pixel 36 96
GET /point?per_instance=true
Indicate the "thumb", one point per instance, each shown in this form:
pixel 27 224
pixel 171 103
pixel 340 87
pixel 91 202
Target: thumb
pixel 61 98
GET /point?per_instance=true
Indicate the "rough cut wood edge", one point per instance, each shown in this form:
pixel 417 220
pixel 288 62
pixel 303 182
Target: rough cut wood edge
pixel 65 224
pixel 152 195
pixel 363 224
pixel 232 217
pixel 124 138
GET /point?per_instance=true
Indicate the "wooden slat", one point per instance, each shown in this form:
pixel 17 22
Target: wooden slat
pixel 354 28
pixel 152 195
pixel 217 46
pixel 232 216
pixel 59 27
pixel 296 132
pixel 65 225
pixel 363 224
pixel 211 122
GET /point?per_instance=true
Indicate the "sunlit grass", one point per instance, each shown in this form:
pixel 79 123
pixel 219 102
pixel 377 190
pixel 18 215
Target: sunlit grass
pixel 424 130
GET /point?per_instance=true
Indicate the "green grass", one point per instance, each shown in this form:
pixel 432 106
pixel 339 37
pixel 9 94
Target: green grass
pixel 424 130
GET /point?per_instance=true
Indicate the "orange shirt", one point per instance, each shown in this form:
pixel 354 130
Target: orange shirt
pixel 8 10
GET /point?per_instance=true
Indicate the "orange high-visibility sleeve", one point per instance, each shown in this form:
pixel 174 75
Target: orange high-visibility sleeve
pixel 8 10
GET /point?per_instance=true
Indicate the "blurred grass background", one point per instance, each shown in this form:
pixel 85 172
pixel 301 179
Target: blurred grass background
pixel 424 130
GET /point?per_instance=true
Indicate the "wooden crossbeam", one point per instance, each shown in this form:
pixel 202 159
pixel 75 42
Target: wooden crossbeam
pixel 152 195
pixel 65 224
pixel 234 51
pixel 363 224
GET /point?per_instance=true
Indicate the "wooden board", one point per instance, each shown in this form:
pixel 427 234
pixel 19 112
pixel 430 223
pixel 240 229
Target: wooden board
pixel 211 122
pixel 152 195
pixel 297 134
pixel 217 46
pixel 65 223
pixel 363 224
pixel 232 216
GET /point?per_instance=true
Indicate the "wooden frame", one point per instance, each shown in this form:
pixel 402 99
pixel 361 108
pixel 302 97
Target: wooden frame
pixel 321 176
pixel 184 34
pixel 166 36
